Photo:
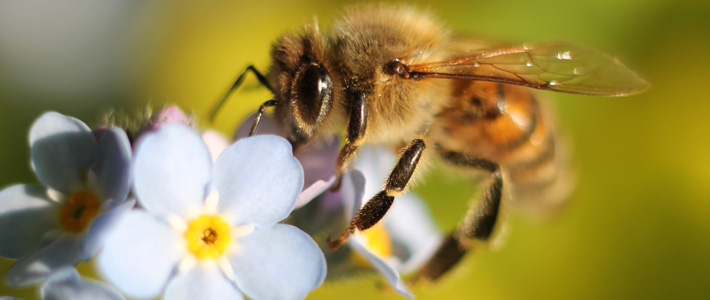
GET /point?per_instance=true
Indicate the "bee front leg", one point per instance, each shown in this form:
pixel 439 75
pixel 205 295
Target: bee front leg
pixel 478 224
pixel 375 209
pixel 257 118
pixel 357 124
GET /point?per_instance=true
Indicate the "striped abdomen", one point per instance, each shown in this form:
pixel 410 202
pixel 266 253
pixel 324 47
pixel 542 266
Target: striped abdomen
pixel 505 124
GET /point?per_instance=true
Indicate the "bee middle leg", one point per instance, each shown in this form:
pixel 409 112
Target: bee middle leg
pixel 478 224
pixel 375 209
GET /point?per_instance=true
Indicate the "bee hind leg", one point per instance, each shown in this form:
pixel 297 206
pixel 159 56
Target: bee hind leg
pixel 478 224
pixel 375 209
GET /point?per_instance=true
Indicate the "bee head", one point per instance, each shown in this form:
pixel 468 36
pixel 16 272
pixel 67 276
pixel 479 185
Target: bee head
pixel 304 89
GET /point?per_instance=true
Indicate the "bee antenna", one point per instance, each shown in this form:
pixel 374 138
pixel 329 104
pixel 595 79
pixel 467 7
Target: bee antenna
pixel 237 83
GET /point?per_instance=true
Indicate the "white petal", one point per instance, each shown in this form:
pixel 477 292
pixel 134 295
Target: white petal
pixel 375 163
pixel 280 262
pixel 171 170
pixel 26 214
pixel 140 254
pixel 352 192
pixel 409 224
pixel 67 284
pixel 204 282
pixel 62 148
pixel 313 191
pixel 258 180
pixel 102 224
pixel 114 165
pixel 384 268
pixel 318 160
pixel 36 267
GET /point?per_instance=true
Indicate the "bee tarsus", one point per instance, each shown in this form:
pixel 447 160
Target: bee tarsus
pixel 257 117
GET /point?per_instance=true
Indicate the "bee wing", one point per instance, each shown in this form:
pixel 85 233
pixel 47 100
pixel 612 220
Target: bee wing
pixel 558 66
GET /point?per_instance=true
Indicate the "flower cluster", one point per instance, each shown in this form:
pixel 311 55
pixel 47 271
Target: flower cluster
pixel 189 215
pixel 404 240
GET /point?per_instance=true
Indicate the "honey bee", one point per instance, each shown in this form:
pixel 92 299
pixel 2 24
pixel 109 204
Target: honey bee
pixel 392 75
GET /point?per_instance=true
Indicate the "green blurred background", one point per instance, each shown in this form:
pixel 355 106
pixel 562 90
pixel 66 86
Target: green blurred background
pixel 637 228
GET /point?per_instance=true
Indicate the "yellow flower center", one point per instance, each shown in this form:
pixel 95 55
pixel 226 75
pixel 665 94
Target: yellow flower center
pixel 377 240
pixel 208 237
pixel 81 208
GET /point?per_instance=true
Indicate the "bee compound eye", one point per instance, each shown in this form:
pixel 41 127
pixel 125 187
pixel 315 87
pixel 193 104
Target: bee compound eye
pixel 312 93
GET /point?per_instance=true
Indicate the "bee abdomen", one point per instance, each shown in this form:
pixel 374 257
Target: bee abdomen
pixel 506 125
pixel 536 172
pixel 537 169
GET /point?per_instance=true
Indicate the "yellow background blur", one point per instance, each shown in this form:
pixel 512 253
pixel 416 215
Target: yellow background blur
pixel 637 228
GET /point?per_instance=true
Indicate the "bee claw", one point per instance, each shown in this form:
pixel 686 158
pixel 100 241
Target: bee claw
pixel 336 185
pixel 335 244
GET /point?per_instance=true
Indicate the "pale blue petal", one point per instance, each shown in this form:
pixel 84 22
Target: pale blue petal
pixel 172 171
pixel 412 229
pixel 258 180
pixel 318 159
pixel 102 224
pixel 63 149
pixel 352 191
pixel 114 165
pixel 26 215
pixel 37 266
pixel 384 268
pixel 279 262
pixel 66 283
pixel 140 254
pixel 204 282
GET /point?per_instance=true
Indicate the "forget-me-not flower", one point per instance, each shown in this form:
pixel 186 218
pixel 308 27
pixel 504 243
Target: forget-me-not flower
pixel 66 283
pixel 402 242
pixel 85 182
pixel 212 232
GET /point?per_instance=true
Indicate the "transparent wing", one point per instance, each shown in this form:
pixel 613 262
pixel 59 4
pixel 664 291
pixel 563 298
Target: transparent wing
pixel 557 66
